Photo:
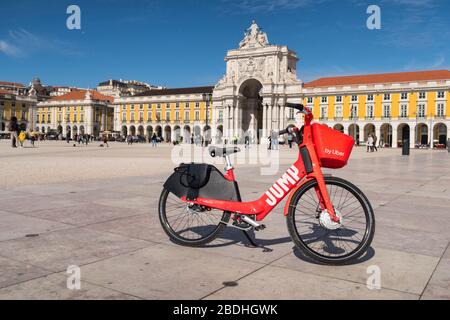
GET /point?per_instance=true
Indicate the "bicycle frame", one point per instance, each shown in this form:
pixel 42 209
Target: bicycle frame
pixel 306 168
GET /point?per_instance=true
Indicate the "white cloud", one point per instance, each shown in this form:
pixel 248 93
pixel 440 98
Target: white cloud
pixel 23 43
pixel 9 49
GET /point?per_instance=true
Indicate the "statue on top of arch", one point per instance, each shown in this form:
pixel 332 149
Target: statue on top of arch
pixel 254 37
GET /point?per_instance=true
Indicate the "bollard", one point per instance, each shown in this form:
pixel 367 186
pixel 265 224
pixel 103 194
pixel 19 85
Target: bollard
pixel 405 147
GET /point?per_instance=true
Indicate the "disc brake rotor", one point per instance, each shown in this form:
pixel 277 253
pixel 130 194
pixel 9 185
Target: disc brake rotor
pixel 326 222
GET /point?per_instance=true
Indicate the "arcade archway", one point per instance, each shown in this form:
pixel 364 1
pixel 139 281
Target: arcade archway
pixel 250 102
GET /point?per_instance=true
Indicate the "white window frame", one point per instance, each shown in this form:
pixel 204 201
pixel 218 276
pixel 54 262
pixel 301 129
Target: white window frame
pixel 443 95
pixel 353 111
pixel 370 97
pixel 336 113
pixel 338 98
pixel 420 114
pixel 387 97
pixel 422 95
pixel 438 105
pixel 387 114
pixel 369 111
pixel 403 114
pixel 324 112
pixel 404 96
pixel 309 100
pixel 354 98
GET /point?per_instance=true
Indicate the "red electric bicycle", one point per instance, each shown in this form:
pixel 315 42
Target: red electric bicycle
pixel 328 218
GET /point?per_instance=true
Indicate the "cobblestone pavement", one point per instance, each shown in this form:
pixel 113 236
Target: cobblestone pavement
pixel 96 208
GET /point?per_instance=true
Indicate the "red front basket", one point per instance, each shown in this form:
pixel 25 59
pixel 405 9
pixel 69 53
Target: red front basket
pixel 333 148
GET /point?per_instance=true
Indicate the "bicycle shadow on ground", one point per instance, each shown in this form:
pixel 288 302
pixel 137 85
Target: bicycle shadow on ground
pixel 232 236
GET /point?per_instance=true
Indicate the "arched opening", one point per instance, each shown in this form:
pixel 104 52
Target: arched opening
pixel 141 131
pixel 82 130
pixel 149 131
pixel 68 131
pixel 197 135
pixel 403 133
pixel 59 129
pixel 96 131
pixel 207 133
pixel 43 129
pixel 187 134
pixel 37 129
pixel 369 129
pixel 386 135
pixel 4 126
pixel 422 134
pixel 440 134
pixel 75 130
pixel 353 131
pixel 339 127
pixel 49 129
pixel 250 102
pixel 124 131
pixel 219 135
pixel 167 134
pixel 133 130
pixel 177 132
pixel 159 132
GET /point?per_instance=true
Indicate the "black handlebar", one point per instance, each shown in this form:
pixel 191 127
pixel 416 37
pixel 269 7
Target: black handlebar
pixel 297 106
pixel 289 129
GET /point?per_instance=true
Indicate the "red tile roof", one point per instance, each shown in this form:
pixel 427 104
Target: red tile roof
pixel 380 78
pixel 175 91
pixel 2 91
pixel 81 95
pixel 15 84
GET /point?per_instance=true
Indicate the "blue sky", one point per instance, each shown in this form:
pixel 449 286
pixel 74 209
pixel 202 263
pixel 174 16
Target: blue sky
pixel 183 43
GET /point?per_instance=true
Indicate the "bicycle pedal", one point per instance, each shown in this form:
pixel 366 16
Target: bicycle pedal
pixel 260 227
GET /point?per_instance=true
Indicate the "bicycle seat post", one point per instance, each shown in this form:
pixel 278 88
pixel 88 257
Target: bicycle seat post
pixel 228 162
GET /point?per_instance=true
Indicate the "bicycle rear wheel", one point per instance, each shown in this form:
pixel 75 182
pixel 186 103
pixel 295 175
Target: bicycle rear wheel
pixel 322 241
pixel 190 225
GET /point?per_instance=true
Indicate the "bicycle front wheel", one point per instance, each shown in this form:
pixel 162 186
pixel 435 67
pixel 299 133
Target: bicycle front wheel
pixel 190 225
pixel 321 240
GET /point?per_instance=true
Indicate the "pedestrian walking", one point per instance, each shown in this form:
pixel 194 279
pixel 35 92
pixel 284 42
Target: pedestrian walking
pixel 154 140
pixel 22 137
pixel 370 143
pixel 13 128
pixel 274 140
pixel 32 138
pixel 105 140
pixel 375 143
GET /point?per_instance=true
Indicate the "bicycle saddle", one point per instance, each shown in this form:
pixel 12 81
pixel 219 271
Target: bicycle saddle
pixel 222 152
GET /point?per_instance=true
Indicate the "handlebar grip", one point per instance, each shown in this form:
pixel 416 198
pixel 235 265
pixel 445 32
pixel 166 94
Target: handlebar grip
pixel 298 106
pixel 283 132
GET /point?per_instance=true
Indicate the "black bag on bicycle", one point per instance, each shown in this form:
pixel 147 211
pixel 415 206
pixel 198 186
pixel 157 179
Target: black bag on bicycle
pixel 200 180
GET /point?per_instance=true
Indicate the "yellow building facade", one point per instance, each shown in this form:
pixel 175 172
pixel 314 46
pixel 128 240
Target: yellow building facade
pixel 414 107
pixel 172 114
pixel 78 112
pixel 21 107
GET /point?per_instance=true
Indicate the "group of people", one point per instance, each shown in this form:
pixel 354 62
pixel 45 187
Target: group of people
pixel 18 136
pixel 81 139
pixel 372 143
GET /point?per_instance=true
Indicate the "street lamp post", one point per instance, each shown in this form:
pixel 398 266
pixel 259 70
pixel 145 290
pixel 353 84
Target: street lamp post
pixel 207 97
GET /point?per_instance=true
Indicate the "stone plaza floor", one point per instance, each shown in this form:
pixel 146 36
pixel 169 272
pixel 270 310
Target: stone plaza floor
pixel 97 208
